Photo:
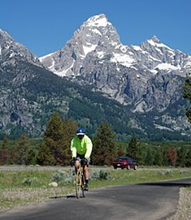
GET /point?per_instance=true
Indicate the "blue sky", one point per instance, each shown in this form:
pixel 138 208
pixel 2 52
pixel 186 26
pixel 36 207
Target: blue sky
pixel 44 26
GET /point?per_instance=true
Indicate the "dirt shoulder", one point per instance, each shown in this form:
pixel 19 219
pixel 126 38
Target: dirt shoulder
pixel 184 207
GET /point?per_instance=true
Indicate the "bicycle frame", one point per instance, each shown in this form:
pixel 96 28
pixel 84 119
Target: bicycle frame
pixel 79 183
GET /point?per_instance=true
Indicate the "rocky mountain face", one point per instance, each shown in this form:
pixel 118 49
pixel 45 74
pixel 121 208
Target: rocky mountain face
pixel 21 105
pixel 148 76
pixel 94 78
pixel 30 94
pixel 11 51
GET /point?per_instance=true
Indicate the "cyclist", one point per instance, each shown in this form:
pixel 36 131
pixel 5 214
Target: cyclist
pixel 81 147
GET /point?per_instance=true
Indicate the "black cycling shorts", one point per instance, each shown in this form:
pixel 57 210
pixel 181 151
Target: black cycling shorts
pixel 82 156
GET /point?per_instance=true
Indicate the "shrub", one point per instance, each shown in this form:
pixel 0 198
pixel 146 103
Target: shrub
pixel 99 174
pixel 165 173
pixel 30 181
pixel 62 177
pixel 94 174
pixel 68 177
pixel 104 174
pixel 184 171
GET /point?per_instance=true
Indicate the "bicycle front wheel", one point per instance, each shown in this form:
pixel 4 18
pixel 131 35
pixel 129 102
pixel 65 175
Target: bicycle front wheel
pixel 77 185
pixel 82 185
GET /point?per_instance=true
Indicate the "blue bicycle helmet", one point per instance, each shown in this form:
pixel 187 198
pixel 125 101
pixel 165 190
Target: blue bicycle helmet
pixel 80 131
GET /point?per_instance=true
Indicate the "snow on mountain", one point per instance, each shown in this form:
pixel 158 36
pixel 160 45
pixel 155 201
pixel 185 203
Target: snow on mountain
pixel 123 59
pixel 89 48
pixel 168 58
pixel 99 37
pixel 167 66
pixel 96 34
pixel 97 21
pixel 147 78
pixel 137 75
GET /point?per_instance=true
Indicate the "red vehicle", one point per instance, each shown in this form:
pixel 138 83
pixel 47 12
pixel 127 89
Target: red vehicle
pixel 125 162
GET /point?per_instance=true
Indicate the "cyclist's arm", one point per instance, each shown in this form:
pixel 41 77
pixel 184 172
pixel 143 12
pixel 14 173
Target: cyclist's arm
pixel 88 148
pixel 73 149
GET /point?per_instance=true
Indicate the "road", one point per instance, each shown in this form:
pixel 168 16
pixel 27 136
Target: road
pixel 151 201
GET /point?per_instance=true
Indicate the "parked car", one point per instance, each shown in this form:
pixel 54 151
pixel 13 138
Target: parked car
pixel 125 162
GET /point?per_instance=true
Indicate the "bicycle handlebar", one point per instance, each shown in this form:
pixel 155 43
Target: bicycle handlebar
pixel 80 160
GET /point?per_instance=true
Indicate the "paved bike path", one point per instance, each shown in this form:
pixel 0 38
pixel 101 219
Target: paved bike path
pixel 151 201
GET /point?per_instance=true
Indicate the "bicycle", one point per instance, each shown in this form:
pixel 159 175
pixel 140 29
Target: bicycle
pixel 80 181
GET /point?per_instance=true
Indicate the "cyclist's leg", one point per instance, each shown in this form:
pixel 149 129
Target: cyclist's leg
pixel 86 174
pixel 77 165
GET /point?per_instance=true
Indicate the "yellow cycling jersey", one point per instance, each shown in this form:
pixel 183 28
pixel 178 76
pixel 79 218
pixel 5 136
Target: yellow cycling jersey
pixel 82 147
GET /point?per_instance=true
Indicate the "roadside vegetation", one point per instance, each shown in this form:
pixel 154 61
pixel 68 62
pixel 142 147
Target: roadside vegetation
pixel 22 188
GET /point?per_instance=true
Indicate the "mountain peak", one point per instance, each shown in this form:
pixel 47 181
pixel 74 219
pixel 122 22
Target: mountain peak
pixel 1 31
pixel 155 39
pixel 11 50
pixel 97 20
pixel 4 34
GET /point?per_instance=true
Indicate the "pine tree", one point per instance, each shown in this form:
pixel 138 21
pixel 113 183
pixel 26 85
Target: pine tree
pixel 165 158
pixel 50 152
pixel 149 158
pixel 20 154
pixel 120 152
pixel 188 158
pixel 181 156
pixel 158 158
pixel 104 151
pixel 187 95
pixel 69 128
pixel 33 155
pixel 132 149
pixel 4 152
pixel 172 156
pixel 45 156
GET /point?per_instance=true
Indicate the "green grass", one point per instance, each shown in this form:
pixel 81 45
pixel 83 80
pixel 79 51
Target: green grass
pixel 188 188
pixel 121 177
pixel 18 188
pixel 14 179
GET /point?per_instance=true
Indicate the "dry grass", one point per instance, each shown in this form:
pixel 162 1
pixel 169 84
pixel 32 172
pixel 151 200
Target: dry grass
pixel 11 198
pixel 184 206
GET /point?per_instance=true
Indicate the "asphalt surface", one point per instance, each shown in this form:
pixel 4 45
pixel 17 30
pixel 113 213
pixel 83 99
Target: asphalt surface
pixel 147 201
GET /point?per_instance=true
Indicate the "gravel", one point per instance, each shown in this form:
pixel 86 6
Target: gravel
pixel 184 207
